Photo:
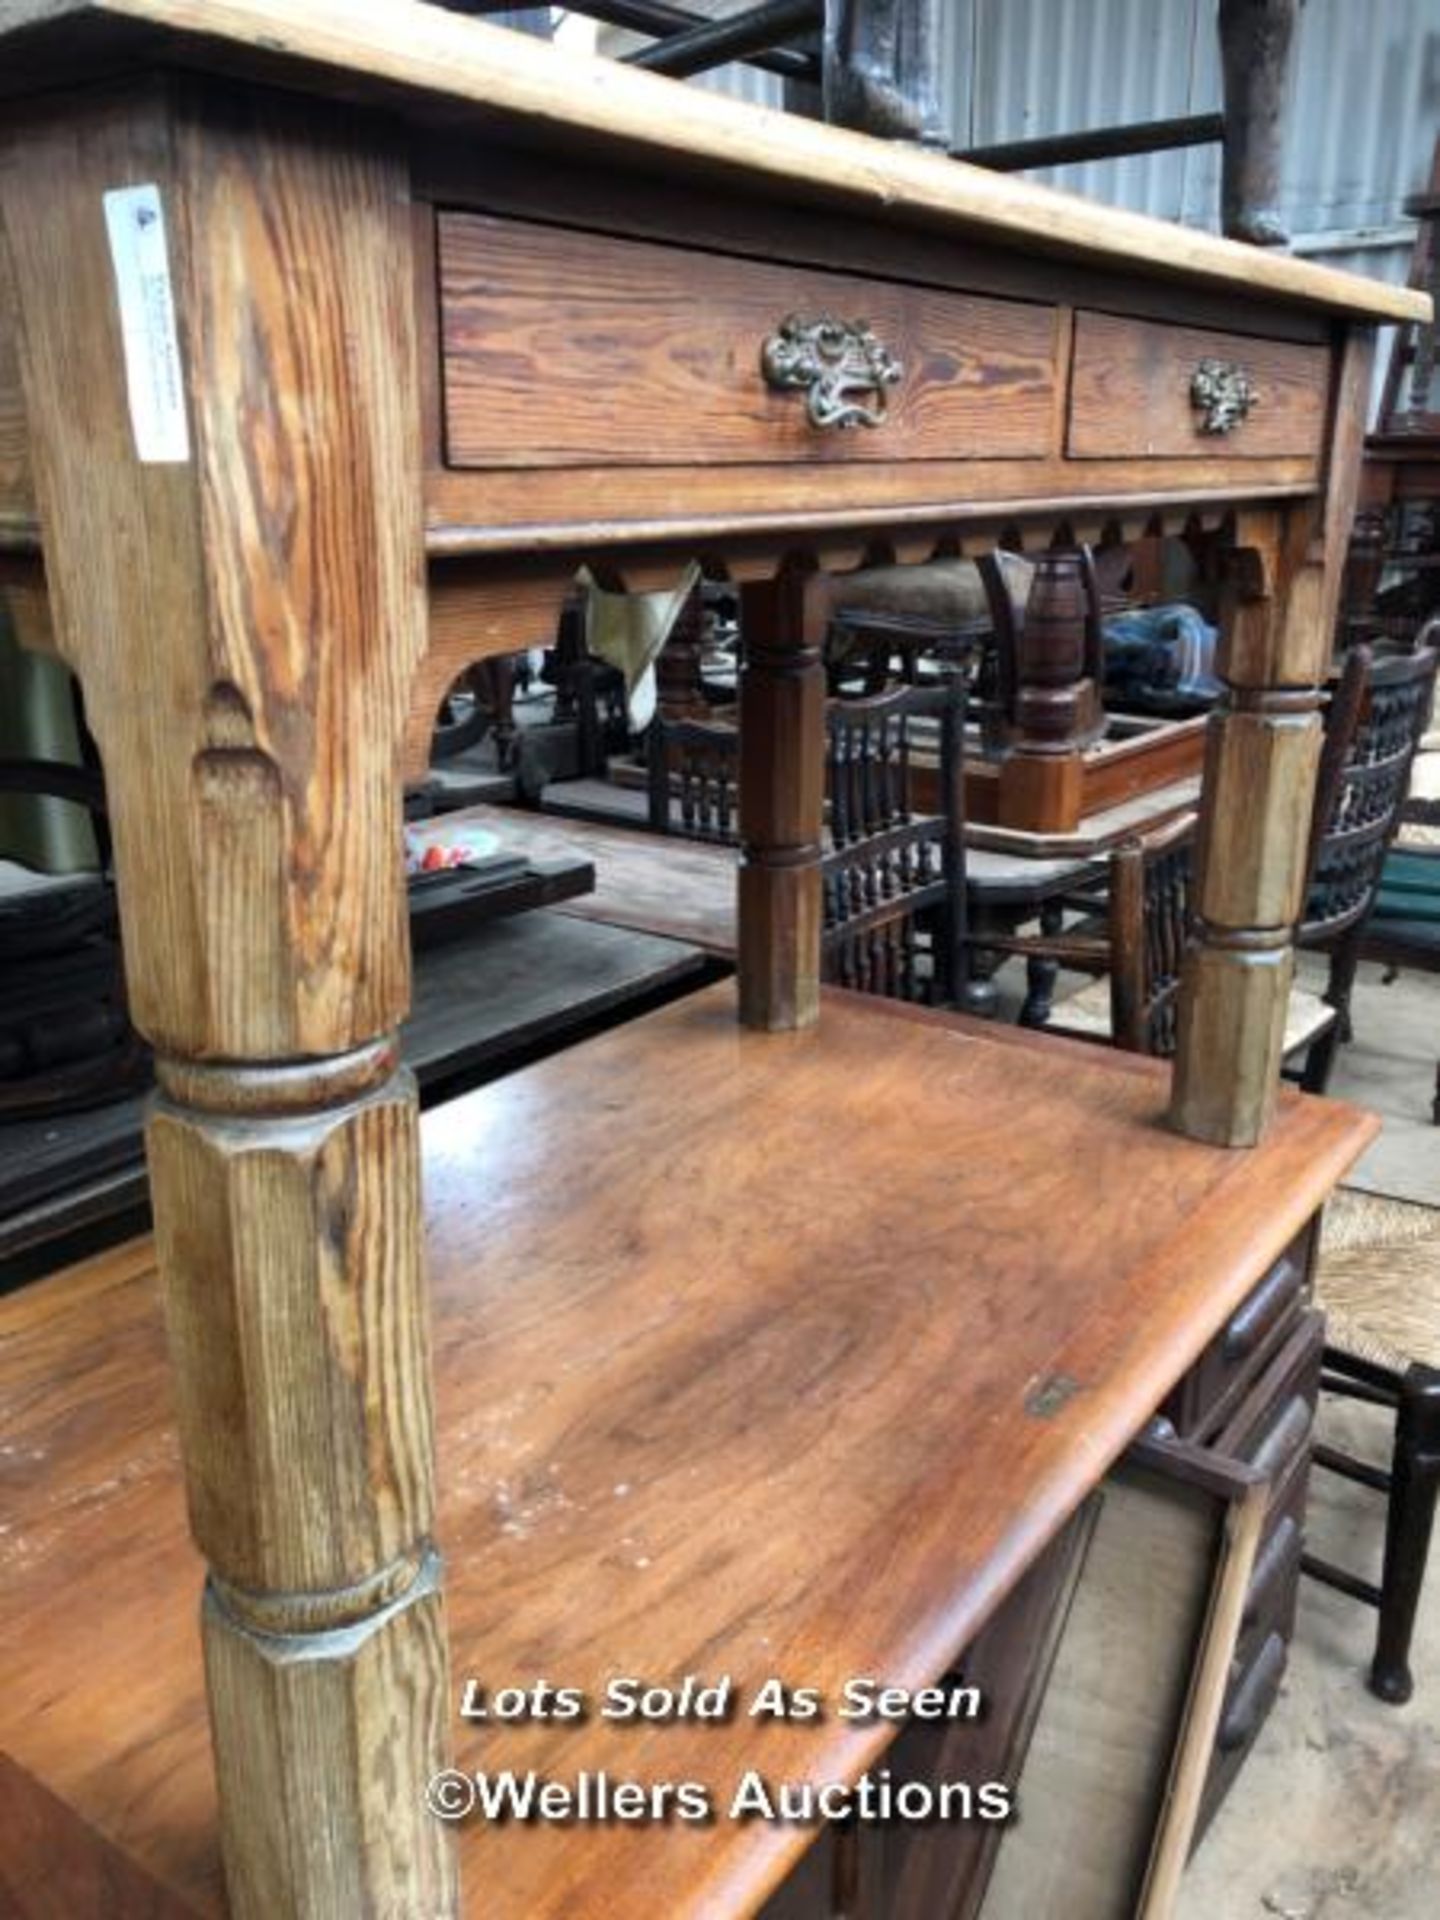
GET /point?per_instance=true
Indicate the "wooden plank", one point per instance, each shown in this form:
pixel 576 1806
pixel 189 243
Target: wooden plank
pixel 569 349
pixel 1130 393
pixel 678 1413
pixel 493 511
pixel 678 889
pixel 427 61
pixel 482 1004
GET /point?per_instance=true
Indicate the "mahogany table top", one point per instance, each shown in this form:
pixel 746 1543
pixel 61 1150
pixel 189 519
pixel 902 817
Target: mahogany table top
pixel 747 1384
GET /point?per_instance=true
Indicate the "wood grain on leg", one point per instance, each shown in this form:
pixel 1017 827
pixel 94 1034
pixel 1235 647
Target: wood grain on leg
pixel 782 785
pixel 1261 759
pixel 246 615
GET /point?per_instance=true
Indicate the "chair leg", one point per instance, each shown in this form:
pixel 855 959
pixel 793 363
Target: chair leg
pixel 1414 1483
pixel 1344 960
pixel 1320 1058
pixel 1041 972
pixel 1435 1103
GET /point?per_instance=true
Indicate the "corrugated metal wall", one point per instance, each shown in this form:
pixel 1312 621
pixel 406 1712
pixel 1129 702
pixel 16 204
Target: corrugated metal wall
pixel 1364 114
pixel 1363 118
pixel 1361 126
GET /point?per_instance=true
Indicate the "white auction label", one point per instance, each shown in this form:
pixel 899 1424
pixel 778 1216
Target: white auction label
pixel 135 223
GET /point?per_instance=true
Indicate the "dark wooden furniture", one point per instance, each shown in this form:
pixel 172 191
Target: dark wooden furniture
pixel 1136 920
pixel 1051 757
pixel 427 304
pixel 1134 928
pixel 1143 900
pixel 693 779
pixel 66 1041
pixel 1380 711
pixel 688 1412
pixel 486 1002
pixel 1392 580
pixel 1380 1284
pixel 893 878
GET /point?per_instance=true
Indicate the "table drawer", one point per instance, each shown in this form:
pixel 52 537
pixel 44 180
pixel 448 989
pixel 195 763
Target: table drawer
pixel 1215 1384
pixel 1272 1428
pixel 1131 393
pixel 561 348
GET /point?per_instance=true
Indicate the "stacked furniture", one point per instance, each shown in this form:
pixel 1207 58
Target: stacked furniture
pixel 430 314
pixel 1393 578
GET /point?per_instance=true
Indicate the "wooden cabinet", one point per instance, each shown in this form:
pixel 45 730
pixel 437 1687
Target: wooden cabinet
pixel 1215 1386
pixel 1271 1432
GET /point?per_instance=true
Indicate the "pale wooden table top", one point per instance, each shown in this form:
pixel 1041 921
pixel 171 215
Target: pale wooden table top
pixel 432 64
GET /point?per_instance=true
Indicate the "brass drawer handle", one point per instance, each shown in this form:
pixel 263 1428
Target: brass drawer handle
pixel 1222 393
pixel 830 361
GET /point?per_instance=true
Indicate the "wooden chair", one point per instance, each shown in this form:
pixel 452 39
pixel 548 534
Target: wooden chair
pixel 1141 907
pixel 1378 1278
pixel 1139 927
pixel 1132 936
pixel 589 694
pixel 694 766
pixel 894 880
pixel 1403 927
pixel 1377 717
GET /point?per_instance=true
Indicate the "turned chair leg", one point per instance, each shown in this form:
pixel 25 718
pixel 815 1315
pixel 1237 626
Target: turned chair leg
pixel 1414 1483
pixel 1041 972
pixel 1320 1059
pixel 1344 960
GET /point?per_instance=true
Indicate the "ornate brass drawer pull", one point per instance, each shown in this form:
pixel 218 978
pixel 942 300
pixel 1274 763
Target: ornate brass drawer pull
pixel 1223 393
pixel 830 361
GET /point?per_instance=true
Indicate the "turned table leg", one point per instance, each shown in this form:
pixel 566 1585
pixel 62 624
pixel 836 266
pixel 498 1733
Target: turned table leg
pixel 1261 756
pixel 782 783
pixel 1281 591
pixel 235 561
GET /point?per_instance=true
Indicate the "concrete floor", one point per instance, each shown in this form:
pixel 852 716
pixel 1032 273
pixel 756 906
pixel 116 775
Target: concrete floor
pixel 1337 1813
